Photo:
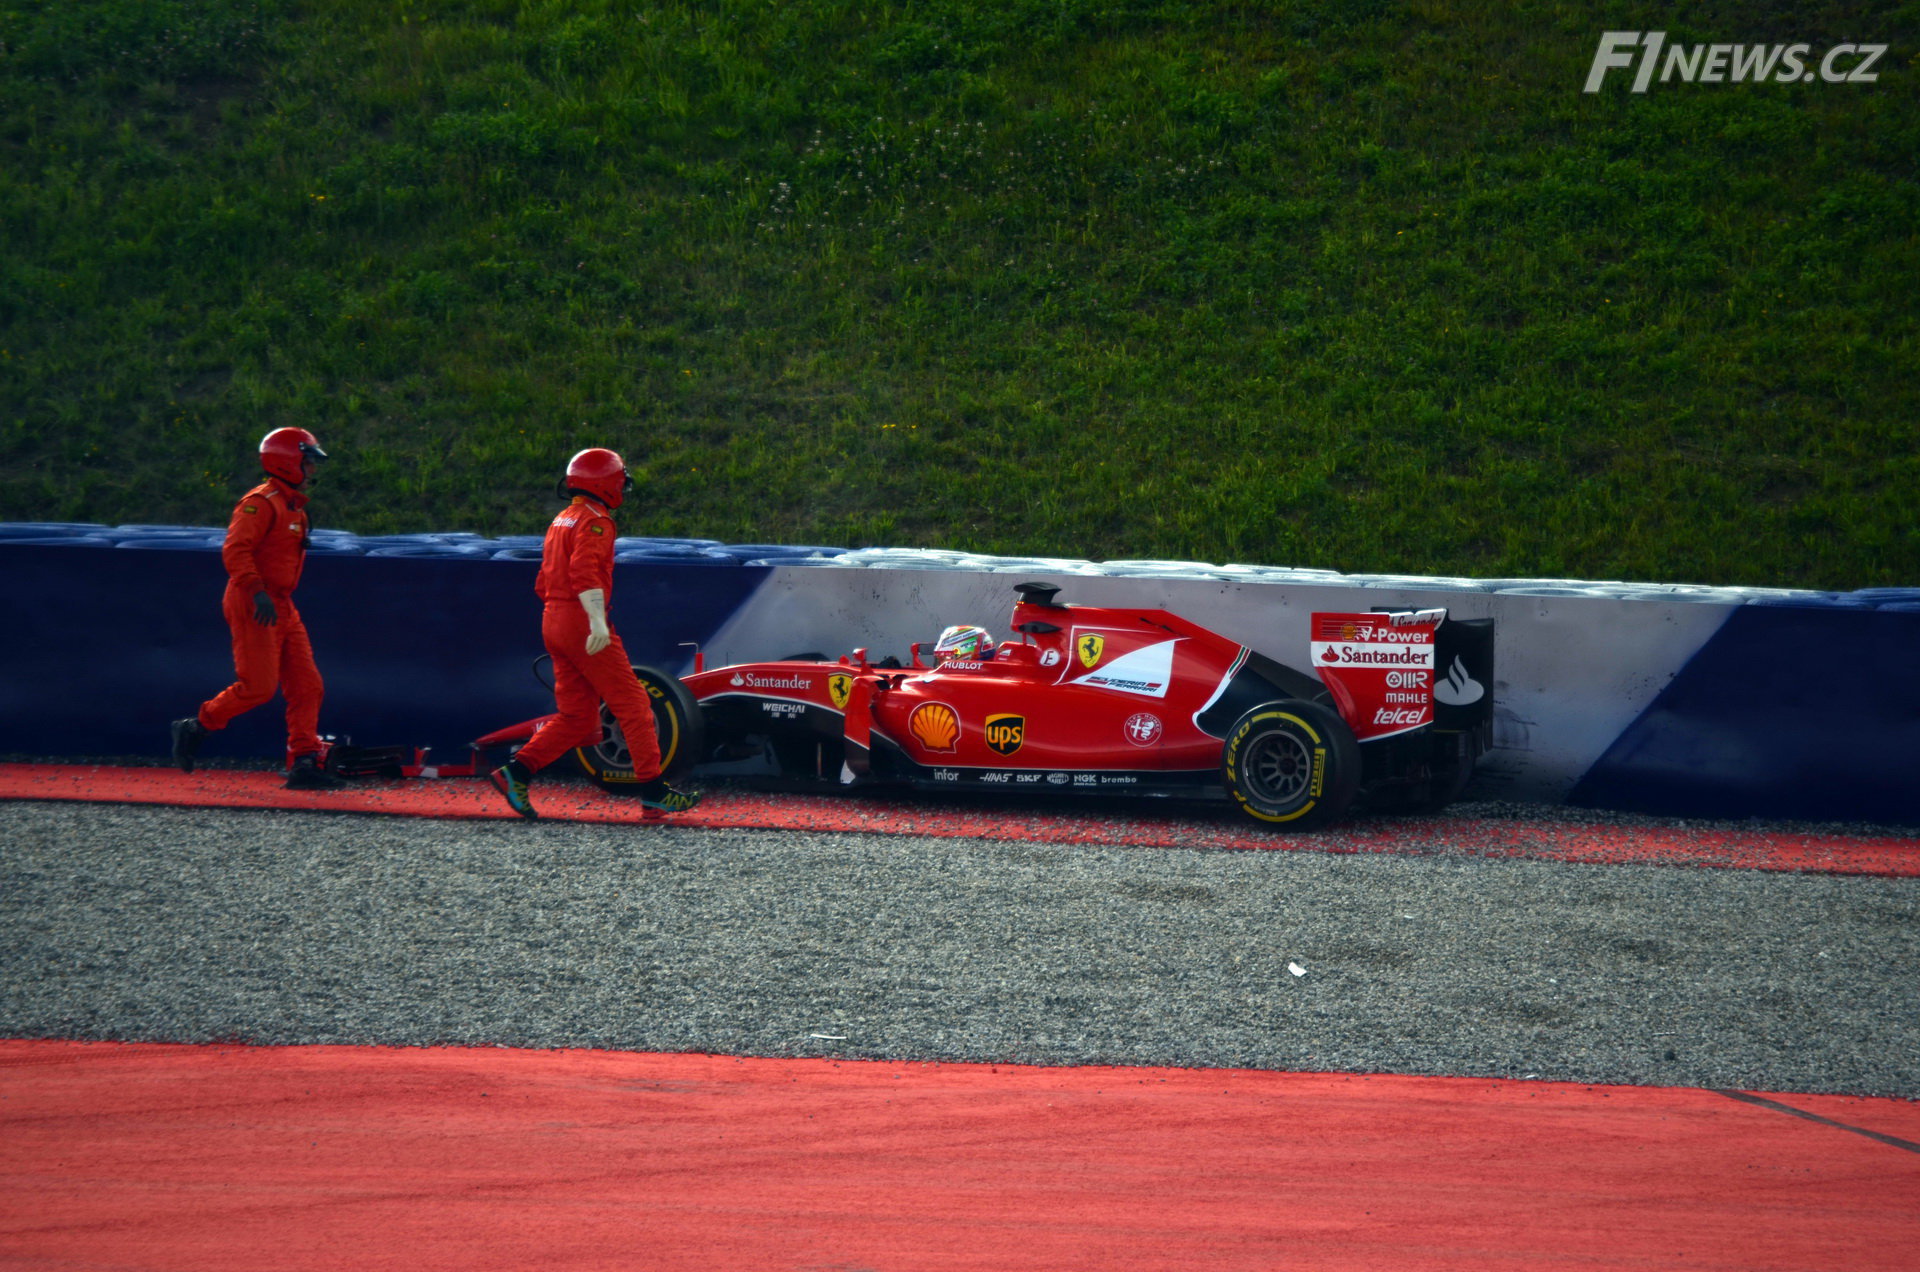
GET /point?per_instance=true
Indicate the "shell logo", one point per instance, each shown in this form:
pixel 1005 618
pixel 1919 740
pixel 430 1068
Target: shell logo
pixel 935 726
pixel 840 688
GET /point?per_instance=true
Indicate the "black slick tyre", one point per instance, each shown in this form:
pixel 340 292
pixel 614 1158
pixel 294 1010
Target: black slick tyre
pixel 679 726
pixel 1291 765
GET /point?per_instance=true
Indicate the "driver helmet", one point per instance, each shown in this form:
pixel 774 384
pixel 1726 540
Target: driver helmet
pixel 963 642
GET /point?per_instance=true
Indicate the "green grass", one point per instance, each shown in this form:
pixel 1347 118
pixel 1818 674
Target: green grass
pixel 1352 283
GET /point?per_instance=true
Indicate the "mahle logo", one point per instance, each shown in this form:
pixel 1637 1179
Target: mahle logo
pixel 1648 52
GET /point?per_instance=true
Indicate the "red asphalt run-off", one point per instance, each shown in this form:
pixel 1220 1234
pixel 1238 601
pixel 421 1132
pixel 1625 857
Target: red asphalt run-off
pixel 173 1158
pixel 202 1159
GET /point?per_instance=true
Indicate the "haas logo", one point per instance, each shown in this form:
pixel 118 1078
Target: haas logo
pixel 1090 648
pixel 1457 688
pixel 935 726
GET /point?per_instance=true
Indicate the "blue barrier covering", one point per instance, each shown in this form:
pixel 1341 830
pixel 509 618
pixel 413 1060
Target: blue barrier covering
pixel 1679 699
pixel 103 648
pixel 44 529
pixel 1786 712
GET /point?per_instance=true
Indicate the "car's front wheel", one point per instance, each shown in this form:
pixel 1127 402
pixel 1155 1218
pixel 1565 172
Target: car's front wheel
pixel 1291 765
pixel 678 725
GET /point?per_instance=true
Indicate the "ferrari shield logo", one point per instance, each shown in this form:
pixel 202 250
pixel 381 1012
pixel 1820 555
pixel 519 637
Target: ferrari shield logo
pixel 1090 648
pixel 1005 733
pixel 840 688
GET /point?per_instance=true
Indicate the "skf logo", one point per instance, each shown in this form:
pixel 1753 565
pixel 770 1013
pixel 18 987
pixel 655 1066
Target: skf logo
pixel 935 726
pixel 840 688
pixel 1090 648
pixel 1005 733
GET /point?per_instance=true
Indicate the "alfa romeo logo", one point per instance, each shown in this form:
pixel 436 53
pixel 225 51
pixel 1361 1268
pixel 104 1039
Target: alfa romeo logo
pixel 1142 728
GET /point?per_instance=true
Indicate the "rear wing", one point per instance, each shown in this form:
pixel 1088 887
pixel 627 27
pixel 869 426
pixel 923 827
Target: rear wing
pixel 1379 667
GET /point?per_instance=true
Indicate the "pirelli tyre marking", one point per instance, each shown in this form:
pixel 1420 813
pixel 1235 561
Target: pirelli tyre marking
pixel 1291 765
pixel 678 719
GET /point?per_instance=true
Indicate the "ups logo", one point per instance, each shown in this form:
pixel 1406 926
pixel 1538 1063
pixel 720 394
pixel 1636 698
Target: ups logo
pixel 1005 733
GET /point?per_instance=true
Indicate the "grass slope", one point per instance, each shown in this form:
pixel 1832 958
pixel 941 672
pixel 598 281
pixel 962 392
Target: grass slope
pixel 1348 283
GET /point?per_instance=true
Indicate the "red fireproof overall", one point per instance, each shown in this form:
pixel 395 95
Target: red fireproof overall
pixel 578 557
pixel 265 550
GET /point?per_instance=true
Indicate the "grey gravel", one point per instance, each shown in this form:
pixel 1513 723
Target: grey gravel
pixel 158 924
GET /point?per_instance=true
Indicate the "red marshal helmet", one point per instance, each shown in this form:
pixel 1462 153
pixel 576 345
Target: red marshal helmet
pixel 290 454
pixel 601 473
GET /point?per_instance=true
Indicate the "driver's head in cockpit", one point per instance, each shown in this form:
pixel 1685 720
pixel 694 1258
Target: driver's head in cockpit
pixel 963 642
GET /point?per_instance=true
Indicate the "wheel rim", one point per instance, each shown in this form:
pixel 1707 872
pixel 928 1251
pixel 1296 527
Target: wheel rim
pixel 1278 769
pixel 611 750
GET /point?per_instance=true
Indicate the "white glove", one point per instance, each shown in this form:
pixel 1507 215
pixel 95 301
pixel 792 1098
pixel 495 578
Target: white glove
pixel 594 601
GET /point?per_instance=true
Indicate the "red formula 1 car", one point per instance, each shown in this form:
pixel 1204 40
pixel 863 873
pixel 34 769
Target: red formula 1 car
pixel 1108 701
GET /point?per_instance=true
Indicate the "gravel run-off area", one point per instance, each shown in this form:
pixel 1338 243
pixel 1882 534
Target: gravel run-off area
pixel 194 925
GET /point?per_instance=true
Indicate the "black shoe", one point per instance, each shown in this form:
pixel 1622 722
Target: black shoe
pixel 187 736
pixel 307 775
pixel 511 779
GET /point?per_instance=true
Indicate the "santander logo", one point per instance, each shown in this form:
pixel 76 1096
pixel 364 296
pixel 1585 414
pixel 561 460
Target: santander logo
pixel 1457 688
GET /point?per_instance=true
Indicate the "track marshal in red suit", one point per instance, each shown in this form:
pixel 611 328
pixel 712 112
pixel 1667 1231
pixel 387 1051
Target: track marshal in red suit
pixel 264 552
pixel 590 665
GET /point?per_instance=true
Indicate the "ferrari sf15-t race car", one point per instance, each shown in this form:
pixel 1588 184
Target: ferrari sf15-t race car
pixel 1108 701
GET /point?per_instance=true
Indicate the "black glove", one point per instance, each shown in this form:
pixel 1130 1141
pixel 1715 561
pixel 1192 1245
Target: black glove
pixel 263 611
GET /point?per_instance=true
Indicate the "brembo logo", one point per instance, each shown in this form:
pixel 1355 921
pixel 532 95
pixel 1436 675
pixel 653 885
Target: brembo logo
pixel 1649 52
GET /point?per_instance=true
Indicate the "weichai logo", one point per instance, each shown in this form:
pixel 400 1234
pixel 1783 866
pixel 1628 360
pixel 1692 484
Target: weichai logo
pixel 1005 733
pixel 1649 53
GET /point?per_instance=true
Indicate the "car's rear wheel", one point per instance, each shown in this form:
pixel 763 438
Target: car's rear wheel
pixel 678 726
pixel 1291 765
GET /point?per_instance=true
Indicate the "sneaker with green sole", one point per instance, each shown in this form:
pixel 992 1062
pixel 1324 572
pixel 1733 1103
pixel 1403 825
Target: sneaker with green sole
pixel 511 782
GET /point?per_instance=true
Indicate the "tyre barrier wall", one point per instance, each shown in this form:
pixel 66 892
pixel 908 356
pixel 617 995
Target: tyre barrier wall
pixel 1669 699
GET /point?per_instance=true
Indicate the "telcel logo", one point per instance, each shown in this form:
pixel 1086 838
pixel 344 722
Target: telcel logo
pixel 1728 63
